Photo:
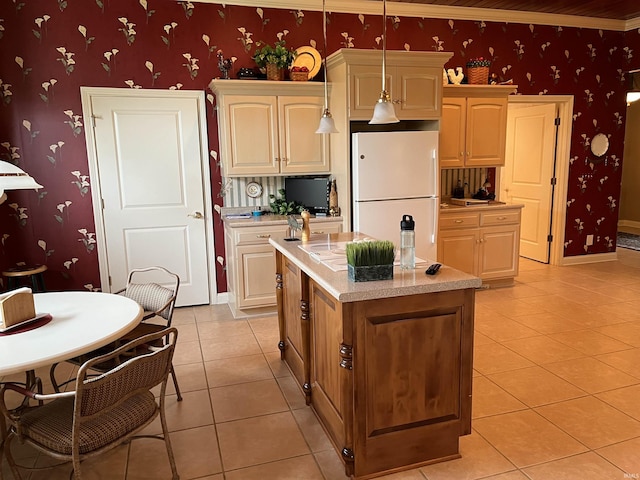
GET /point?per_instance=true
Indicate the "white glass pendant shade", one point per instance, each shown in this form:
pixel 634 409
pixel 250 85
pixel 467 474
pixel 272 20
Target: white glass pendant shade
pixel 14 178
pixel 384 112
pixel 327 125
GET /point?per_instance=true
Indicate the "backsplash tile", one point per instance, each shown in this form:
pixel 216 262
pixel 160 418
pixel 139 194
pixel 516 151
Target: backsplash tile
pixel 471 178
pixel 235 195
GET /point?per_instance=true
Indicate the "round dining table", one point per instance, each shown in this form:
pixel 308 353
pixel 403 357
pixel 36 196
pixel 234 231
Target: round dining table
pixel 80 322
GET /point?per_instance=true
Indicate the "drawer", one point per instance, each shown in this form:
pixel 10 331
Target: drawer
pixel 500 218
pixel 459 220
pixel 318 228
pixel 257 235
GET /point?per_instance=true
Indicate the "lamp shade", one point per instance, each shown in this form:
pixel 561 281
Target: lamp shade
pixel 327 125
pixel 383 113
pixel 14 178
pixel 632 97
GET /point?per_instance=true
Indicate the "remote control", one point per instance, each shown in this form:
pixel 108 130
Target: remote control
pixel 433 269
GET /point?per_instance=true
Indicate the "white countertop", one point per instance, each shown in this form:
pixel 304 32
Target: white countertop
pixel 269 219
pixel 405 282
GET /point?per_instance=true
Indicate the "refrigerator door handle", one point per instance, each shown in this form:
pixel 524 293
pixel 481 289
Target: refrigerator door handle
pixel 436 173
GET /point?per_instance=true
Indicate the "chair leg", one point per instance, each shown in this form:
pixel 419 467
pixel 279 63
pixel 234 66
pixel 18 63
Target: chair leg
pixel 52 376
pixel 167 442
pixel 12 463
pixel 175 383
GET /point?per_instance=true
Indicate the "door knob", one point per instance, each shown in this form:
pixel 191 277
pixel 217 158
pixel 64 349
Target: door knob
pixel 195 215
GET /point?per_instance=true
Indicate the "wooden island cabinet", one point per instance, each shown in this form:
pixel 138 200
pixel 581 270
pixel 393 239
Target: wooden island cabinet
pixel 386 365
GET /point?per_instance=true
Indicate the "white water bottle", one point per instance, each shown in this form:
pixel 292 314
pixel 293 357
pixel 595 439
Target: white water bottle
pixel 407 243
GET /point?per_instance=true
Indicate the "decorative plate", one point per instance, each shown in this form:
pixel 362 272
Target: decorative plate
pixel 308 57
pixel 599 144
pixel 254 189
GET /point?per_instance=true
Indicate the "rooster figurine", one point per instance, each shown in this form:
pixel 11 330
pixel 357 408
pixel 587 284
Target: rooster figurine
pixel 456 78
pixel 224 64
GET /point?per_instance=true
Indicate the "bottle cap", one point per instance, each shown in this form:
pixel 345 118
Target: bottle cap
pixel 407 223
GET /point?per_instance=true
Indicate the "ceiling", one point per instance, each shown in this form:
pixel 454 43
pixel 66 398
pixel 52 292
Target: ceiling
pixel 609 9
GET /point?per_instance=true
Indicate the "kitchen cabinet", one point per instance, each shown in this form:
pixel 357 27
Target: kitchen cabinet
pixel 268 128
pixel 484 242
pixel 414 81
pixel 473 126
pixel 250 261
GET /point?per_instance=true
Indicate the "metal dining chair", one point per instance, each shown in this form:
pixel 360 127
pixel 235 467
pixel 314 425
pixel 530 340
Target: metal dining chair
pixel 157 298
pixel 102 412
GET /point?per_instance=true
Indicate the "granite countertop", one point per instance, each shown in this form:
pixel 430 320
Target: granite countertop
pixel 405 282
pixel 476 208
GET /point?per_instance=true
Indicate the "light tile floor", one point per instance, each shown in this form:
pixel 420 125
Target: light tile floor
pixel 556 389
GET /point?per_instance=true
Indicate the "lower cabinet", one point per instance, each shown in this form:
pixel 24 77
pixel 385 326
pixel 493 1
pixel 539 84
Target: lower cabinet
pixel 483 243
pixel 251 264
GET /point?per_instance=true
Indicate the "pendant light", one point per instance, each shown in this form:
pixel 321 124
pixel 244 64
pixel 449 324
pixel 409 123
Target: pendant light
pixel 327 124
pixel 14 178
pixel 383 111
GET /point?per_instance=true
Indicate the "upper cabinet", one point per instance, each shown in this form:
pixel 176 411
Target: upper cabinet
pixel 268 128
pixel 413 81
pixel 473 126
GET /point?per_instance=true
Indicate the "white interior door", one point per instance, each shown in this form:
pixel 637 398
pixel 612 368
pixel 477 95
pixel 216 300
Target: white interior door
pixel 148 152
pixel 526 176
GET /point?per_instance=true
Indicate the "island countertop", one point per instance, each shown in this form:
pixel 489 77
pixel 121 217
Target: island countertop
pixel 405 282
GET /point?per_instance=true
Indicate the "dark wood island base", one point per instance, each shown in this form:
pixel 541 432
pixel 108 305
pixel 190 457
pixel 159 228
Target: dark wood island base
pixel 386 366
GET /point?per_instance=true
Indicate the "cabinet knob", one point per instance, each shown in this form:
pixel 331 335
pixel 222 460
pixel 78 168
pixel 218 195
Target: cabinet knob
pixel 468 154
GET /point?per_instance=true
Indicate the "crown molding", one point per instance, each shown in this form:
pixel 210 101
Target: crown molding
pixel 419 10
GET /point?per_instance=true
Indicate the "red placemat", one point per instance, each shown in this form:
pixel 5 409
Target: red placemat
pixel 37 322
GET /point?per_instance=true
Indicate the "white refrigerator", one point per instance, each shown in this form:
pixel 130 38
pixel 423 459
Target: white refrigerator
pixel 396 174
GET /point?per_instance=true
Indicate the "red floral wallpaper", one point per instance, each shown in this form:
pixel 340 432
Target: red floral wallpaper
pixel 49 48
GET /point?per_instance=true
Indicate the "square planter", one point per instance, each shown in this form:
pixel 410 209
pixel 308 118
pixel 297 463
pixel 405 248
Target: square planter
pixel 370 273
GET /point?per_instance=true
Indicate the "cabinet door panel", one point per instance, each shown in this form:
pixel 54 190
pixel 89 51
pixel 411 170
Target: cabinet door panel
pixel 251 139
pixel 458 248
pixel 366 84
pixel 499 252
pixel 256 274
pixel 419 88
pixel 486 131
pixel 452 132
pixel 302 150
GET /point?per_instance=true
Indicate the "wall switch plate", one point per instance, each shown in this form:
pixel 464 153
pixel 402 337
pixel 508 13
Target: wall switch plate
pixel 589 240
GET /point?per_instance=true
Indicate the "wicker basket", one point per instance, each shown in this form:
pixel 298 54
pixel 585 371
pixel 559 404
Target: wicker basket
pixel 478 75
pixel 299 76
pixel 274 73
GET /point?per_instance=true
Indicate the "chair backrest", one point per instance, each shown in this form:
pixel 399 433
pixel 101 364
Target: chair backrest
pixel 152 296
pixel 138 374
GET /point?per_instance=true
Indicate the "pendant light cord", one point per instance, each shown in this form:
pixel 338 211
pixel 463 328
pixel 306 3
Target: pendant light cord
pixel 324 35
pixel 384 45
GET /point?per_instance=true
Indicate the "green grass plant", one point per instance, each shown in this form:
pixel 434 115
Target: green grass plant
pixel 376 252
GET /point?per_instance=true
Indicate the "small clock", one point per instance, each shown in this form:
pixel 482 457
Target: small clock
pixel 254 189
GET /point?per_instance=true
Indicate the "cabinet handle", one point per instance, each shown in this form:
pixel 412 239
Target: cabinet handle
pixel 502 218
pixel 317 233
pixel 276 159
pixel 265 235
pixel 459 221
pixel 285 159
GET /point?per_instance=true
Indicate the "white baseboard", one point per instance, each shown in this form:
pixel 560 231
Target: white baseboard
pixel 220 298
pixel 594 258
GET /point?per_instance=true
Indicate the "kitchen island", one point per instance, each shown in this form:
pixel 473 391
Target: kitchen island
pixel 385 365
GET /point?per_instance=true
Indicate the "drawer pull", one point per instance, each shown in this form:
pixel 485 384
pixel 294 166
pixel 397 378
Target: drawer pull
pixel 317 233
pixel 264 235
pixel 459 221
pixel 502 218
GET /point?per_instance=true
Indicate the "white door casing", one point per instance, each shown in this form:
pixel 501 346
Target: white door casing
pixel 564 105
pixel 526 176
pixel 147 161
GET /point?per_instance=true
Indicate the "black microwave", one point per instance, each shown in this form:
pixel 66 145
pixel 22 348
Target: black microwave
pixel 311 192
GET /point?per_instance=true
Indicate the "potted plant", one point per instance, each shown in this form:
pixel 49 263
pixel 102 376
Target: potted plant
pixel 370 260
pixel 275 59
pixel 280 206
